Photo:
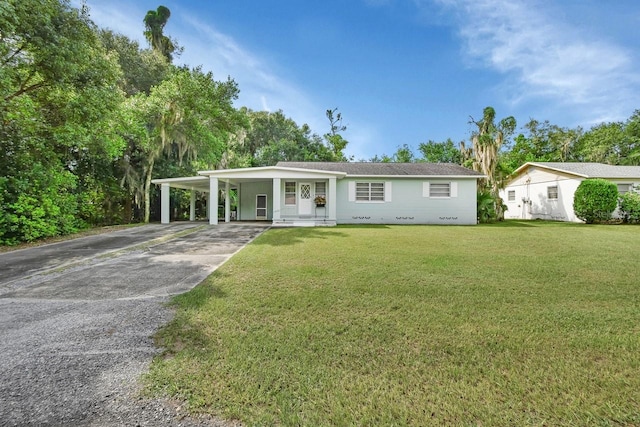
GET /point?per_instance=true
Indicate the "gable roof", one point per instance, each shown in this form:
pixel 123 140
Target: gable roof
pixel 363 169
pixel 586 170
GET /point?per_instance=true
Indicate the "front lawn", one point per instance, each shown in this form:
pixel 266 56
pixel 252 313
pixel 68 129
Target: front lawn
pixel 520 323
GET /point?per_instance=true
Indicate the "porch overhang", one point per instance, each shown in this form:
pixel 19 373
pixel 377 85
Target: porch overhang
pixel 269 172
pixel 194 183
pixel 208 182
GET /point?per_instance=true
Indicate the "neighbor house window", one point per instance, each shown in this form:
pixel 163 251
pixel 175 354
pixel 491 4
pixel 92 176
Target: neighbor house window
pixel 552 192
pixel 289 193
pixel 440 189
pixel 370 191
pixel 624 188
pixel 511 195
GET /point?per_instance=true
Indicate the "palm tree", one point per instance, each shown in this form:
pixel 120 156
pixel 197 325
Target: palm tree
pixel 487 141
pixel 154 22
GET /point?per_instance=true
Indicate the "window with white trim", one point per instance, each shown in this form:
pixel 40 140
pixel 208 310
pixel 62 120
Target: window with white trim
pixel 511 195
pixel 624 188
pixel 290 193
pixel 321 189
pixel 370 191
pixel 440 189
pixel 552 192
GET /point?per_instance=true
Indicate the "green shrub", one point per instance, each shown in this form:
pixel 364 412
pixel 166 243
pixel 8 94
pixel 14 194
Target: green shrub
pixel 486 207
pixel 630 207
pixel 595 200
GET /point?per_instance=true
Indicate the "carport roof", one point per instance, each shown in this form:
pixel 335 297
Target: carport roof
pixel 266 173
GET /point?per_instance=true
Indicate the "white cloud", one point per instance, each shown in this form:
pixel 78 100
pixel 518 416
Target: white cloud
pixel 543 57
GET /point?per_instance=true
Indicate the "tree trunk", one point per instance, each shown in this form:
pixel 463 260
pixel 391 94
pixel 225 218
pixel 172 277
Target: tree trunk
pixel 147 191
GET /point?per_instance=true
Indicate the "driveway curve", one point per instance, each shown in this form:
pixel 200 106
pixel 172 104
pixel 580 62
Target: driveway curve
pixel 76 320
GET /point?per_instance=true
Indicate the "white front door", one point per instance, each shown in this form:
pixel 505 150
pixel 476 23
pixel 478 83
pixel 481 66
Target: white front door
pixel 305 202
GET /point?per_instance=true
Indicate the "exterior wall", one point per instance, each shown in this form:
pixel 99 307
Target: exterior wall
pixel 406 203
pixel 247 199
pixel 291 211
pixel 531 200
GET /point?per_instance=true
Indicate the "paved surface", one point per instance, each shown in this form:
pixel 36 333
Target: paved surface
pixel 76 320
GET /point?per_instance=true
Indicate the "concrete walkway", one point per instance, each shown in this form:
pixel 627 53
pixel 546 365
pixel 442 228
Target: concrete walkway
pixel 76 320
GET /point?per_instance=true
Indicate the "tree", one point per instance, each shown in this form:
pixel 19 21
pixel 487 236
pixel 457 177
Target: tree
pixel 57 100
pixel 154 22
pixel 273 137
pixel 604 143
pixel 595 200
pixel 632 134
pixel 543 142
pixel 335 141
pixel 440 152
pixel 141 68
pixel 487 141
pixel 187 117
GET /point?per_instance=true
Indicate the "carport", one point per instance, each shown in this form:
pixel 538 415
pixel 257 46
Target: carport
pixel 261 193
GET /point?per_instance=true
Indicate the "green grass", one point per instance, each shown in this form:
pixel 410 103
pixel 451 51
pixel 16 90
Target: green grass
pixel 521 323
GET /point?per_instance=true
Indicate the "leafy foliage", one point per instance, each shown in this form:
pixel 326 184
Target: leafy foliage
pixel 483 155
pixel 630 207
pixel 57 101
pixel 595 200
pixel 486 207
pixel 440 152
pixel 154 22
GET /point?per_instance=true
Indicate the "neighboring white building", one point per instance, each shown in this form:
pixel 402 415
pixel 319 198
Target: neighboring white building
pixel 347 193
pixel 545 190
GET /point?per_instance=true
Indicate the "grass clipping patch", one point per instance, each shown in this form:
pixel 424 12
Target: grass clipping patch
pixel 508 324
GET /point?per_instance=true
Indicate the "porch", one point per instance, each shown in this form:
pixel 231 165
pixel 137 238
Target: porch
pixel 288 197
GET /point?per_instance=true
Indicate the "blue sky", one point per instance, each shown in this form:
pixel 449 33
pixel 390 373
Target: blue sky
pixel 409 71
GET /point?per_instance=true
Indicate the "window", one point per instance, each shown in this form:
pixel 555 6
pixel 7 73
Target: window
pixel 624 188
pixel 552 192
pixel 511 195
pixel 321 189
pixel 440 189
pixel 289 193
pixel 370 191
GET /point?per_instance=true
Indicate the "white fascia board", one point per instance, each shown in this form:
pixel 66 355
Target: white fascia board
pixel 200 183
pixel 538 165
pixel 181 179
pixel 269 172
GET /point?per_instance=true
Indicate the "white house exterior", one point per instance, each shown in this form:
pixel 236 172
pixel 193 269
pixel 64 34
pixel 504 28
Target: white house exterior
pixel 545 190
pixel 354 193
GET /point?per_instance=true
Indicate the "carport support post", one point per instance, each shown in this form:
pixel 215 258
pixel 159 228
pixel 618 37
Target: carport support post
pixel 165 194
pixel 227 202
pixel 192 206
pixel 213 197
pixel 276 199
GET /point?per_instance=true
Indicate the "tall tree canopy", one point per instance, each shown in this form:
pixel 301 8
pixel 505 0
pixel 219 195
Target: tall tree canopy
pixel 154 22
pixel 58 96
pixel 334 139
pixel 273 137
pixel 440 152
pixel 487 140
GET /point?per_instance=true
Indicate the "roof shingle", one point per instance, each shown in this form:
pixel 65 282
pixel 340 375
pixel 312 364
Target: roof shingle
pixel 593 170
pixel 386 169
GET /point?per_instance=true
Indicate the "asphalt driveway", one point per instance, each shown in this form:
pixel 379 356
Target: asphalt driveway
pixel 76 320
